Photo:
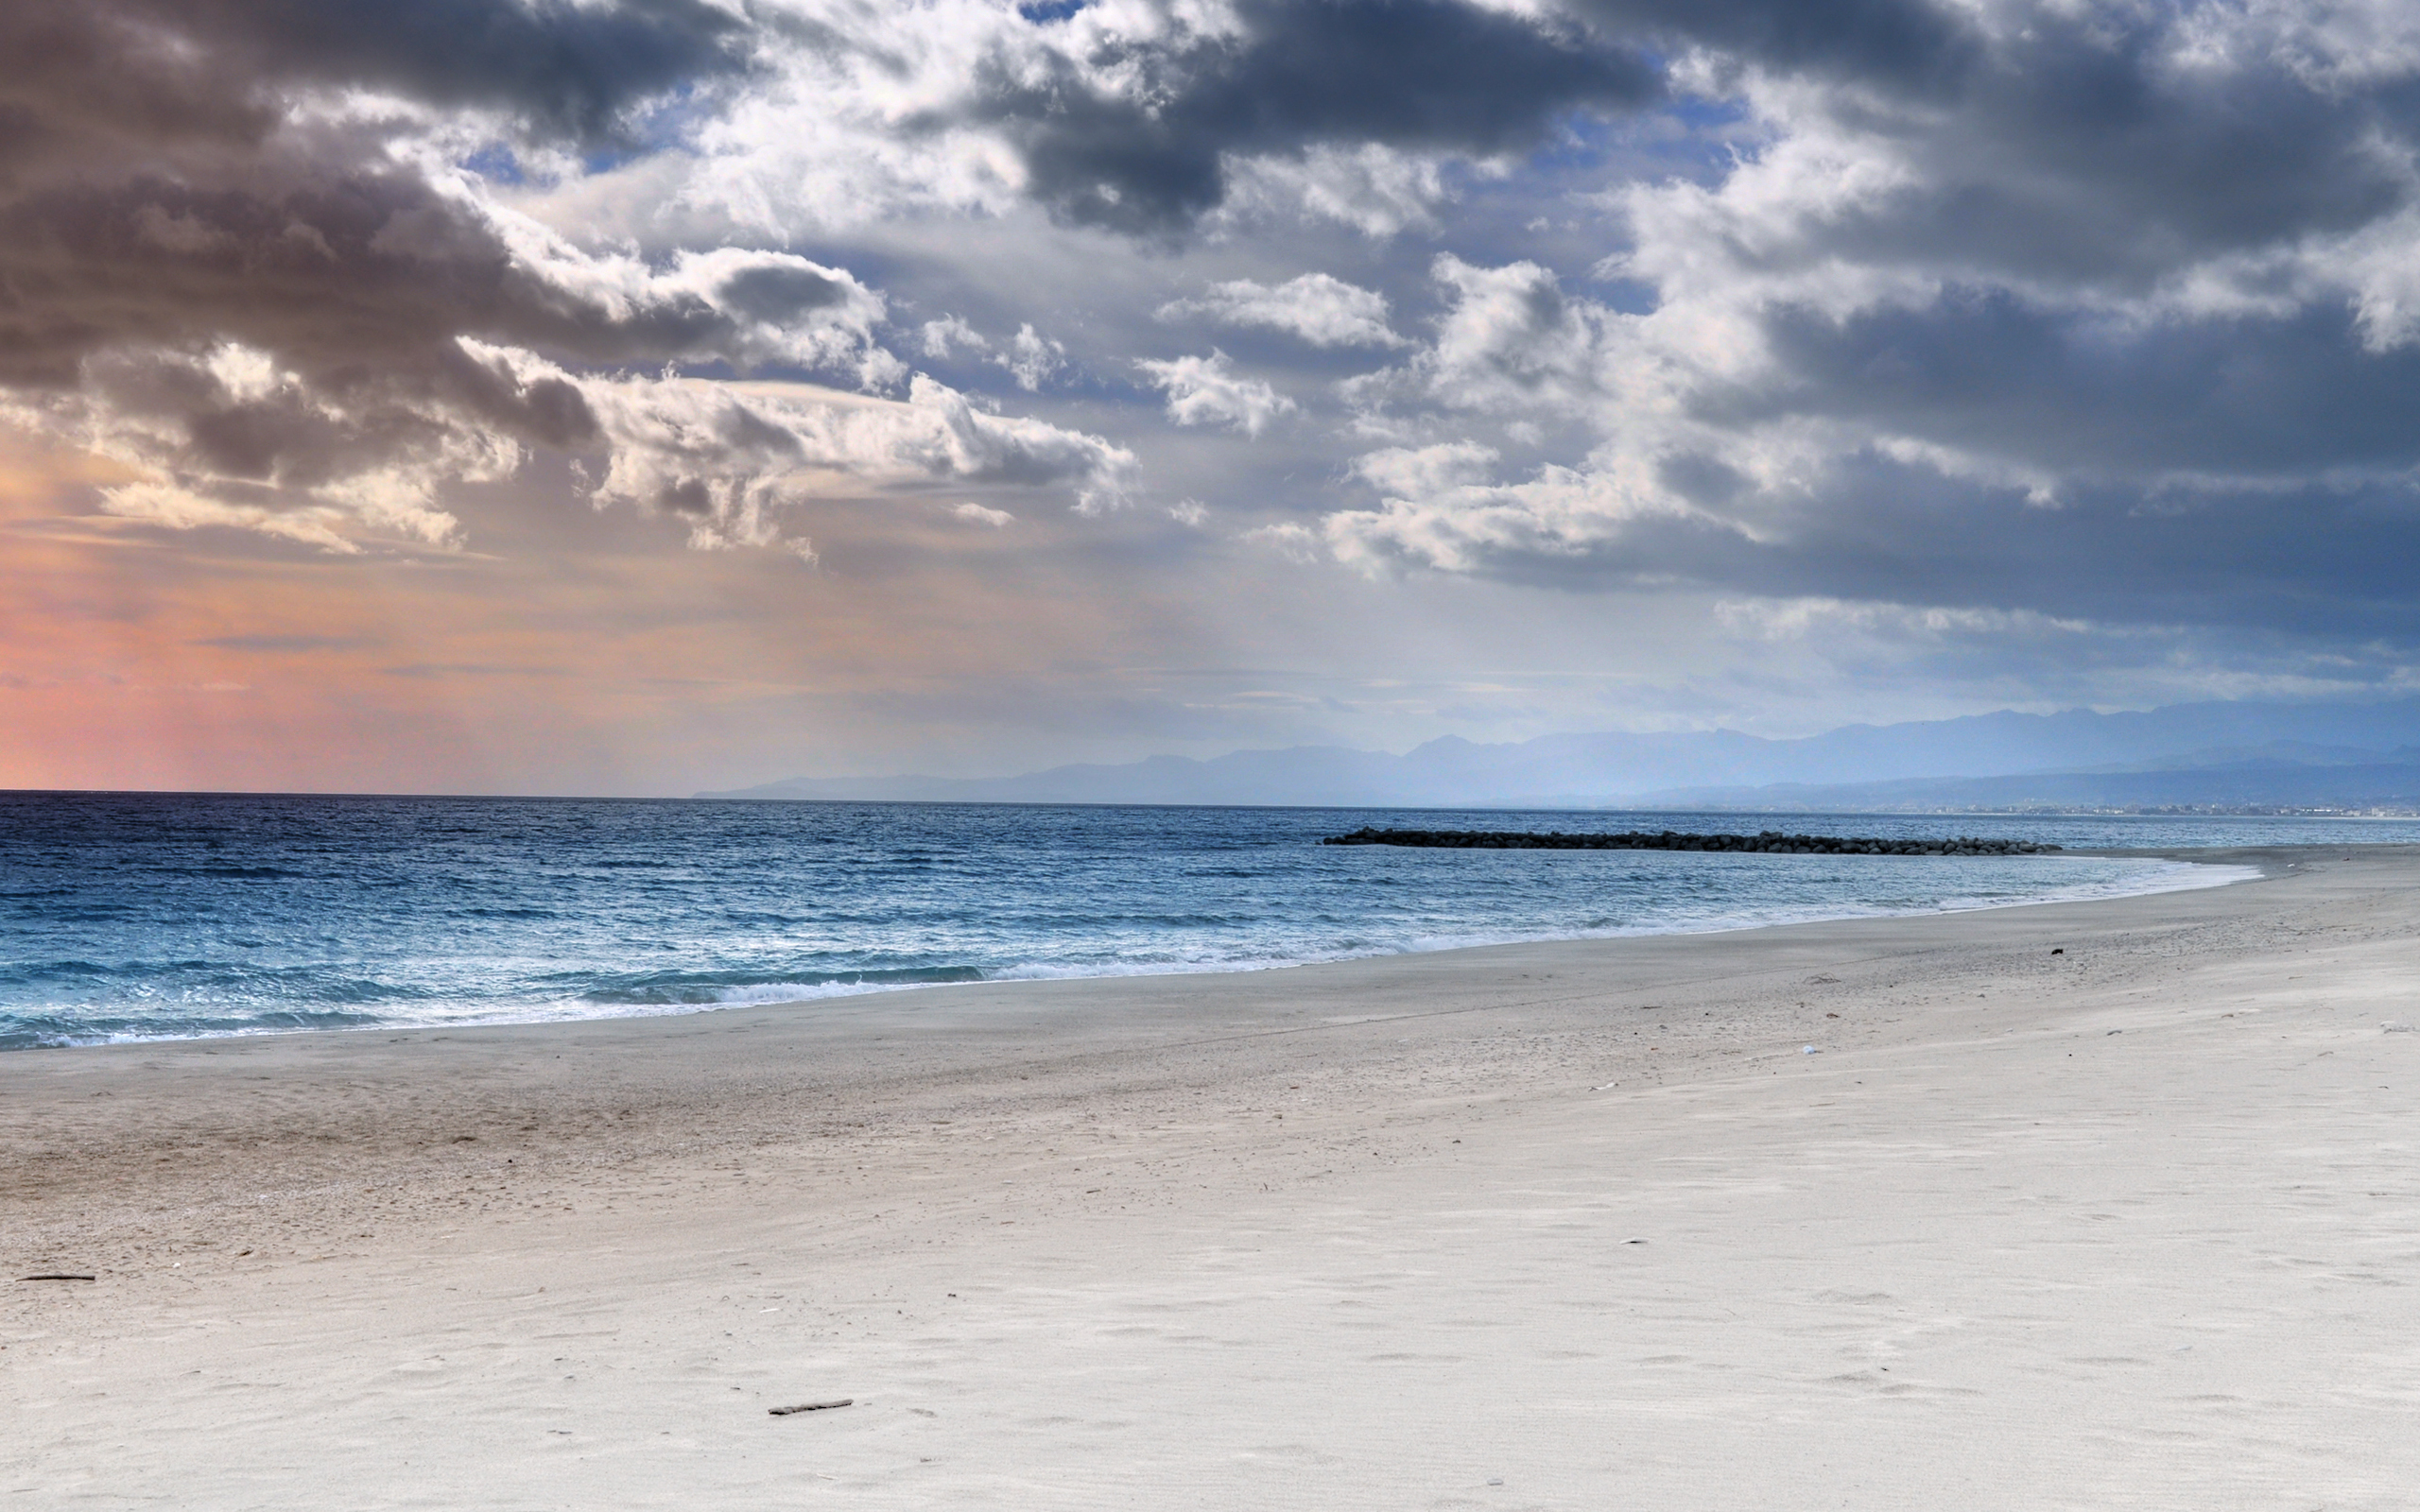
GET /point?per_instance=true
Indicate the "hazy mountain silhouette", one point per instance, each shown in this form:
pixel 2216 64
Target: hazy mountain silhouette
pixel 2255 753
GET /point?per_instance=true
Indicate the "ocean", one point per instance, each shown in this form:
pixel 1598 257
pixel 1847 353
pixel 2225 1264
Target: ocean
pixel 149 916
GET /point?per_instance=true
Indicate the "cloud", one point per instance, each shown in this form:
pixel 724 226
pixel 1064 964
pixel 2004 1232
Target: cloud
pixel 103 80
pixel 1512 340
pixel 1295 542
pixel 2313 560
pixel 559 66
pixel 1912 45
pixel 2099 314
pixel 167 505
pixel 1207 392
pixel 1129 118
pixel 264 287
pixel 1420 472
pixel 1564 523
pixel 334 270
pixel 1374 188
pixel 2073 395
pixel 1323 310
pixel 341 342
pixel 1032 359
pixel 979 514
pixel 944 336
pixel 737 462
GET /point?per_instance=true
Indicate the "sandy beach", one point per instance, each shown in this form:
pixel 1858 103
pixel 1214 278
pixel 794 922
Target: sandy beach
pixel 2089 1205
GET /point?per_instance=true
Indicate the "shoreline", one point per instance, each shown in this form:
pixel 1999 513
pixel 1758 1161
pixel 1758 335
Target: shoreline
pixel 2181 856
pixel 2122 1226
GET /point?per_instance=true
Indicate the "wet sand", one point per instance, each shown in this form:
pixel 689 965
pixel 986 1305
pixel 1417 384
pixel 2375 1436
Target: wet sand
pixel 1582 1225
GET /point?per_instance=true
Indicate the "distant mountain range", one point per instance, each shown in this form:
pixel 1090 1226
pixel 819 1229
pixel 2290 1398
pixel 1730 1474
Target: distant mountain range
pixel 2239 754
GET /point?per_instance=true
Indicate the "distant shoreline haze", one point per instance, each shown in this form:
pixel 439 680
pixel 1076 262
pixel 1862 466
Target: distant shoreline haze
pixel 2217 755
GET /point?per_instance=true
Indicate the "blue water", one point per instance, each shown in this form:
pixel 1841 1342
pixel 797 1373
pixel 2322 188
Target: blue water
pixel 154 915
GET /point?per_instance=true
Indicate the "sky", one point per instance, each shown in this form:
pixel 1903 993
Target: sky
pixel 638 396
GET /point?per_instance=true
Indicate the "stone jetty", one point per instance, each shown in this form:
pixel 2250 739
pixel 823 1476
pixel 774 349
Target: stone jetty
pixel 1768 842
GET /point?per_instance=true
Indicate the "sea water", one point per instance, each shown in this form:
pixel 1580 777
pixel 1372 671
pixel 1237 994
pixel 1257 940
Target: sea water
pixel 132 915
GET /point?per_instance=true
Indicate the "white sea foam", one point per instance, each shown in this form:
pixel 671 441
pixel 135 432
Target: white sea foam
pixel 2151 878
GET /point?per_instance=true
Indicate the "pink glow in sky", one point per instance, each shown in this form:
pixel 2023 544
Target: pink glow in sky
pixel 647 395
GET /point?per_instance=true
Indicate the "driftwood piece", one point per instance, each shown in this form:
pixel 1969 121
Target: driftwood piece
pixel 811 1406
pixel 58 1276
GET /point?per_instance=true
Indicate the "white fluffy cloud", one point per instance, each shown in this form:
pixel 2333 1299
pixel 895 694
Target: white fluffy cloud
pixel 1032 359
pixel 739 461
pixel 1208 392
pixel 943 337
pixel 1375 189
pixel 1323 310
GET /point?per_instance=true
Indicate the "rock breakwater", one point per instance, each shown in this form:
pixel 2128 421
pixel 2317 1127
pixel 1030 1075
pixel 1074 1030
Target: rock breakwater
pixel 1767 842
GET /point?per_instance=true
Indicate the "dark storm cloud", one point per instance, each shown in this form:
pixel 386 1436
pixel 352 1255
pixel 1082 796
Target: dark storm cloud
pixel 1904 44
pixel 2250 471
pixel 2308 559
pixel 2071 143
pixel 1422 73
pixel 2251 396
pixel 2087 118
pixel 777 293
pixel 78 76
pixel 363 283
pixel 2080 148
pixel 2101 313
pixel 288 313
pixel 144 206
pixel 568 68
pixel 163 204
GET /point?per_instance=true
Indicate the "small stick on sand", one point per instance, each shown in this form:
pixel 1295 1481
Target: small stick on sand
pixel 57 1276
pixel 810 1406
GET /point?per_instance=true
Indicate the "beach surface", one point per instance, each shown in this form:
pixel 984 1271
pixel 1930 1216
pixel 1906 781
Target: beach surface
pixel 2092 1205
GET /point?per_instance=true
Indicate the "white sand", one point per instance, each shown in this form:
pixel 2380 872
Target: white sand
pixel 2133 1226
